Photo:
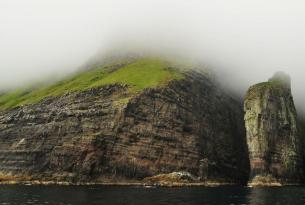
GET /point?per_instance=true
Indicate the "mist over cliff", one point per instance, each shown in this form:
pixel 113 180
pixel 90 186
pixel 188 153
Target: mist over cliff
pixel 245 42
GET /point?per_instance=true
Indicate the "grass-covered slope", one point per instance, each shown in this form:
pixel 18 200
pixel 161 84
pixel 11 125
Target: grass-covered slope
pixel 140 74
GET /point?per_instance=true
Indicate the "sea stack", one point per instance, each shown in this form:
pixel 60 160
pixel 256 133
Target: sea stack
pixel 272 135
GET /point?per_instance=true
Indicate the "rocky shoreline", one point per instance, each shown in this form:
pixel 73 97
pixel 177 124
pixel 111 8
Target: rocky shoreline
pixel 175 179
pixel 141 184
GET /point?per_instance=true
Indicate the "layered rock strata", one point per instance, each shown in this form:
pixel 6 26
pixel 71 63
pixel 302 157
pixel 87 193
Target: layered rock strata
pixel 109 134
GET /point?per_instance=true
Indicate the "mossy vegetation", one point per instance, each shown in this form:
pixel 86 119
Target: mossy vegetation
pixel 258 89
pixel 122 101
pixel 140 74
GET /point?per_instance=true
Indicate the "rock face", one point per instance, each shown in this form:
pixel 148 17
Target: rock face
pixel 109 134
pixel 171 178
pixel 272 133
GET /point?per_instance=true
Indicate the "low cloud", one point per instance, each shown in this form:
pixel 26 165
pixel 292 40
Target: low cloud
pixel 244 41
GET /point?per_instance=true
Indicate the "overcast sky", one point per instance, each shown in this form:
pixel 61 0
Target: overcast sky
pixel 248 40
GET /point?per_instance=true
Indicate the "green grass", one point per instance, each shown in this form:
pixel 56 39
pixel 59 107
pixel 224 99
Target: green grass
pixel 141 74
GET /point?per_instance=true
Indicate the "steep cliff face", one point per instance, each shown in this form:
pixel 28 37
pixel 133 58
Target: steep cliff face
pixel 109 133
pixel 272 133
pixel 301 131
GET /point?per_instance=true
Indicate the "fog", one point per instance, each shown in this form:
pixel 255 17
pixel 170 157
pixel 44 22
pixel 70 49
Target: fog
pixel 245 41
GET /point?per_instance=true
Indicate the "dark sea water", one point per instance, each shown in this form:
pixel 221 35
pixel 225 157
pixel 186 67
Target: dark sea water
pixel 87 195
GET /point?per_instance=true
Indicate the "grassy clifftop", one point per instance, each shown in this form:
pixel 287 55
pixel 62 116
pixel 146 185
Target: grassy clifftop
pixel 140 74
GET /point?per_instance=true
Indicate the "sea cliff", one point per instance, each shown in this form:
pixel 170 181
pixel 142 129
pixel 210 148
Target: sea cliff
pixel 123 130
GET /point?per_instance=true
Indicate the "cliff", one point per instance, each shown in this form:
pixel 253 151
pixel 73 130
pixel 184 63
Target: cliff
pixel 124 126
pixel 273 138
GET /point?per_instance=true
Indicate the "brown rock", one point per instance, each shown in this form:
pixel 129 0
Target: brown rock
pixel 108 133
